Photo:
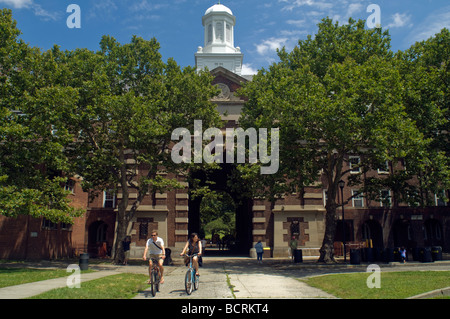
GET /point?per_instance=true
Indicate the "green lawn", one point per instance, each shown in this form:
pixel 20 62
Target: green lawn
pixel 394 285
pixel 18 276
pixel 121 286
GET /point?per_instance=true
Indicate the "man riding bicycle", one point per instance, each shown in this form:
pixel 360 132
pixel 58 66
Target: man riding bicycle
pixel 157 251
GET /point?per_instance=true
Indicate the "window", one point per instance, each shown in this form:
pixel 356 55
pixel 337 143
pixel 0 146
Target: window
pixel 210 33
pixel 385 198
pixel 65 226
pixel 228 34
pixel 109 199
pixel 219 31
pixel 357 199
pixel 384 168
pixel 354 162
pixel 143 227
pixel 48 224
pixel 440 199
pixel 70 186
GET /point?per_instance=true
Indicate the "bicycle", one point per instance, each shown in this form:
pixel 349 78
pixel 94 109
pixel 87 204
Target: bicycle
pixel 155 277
pixel 191 280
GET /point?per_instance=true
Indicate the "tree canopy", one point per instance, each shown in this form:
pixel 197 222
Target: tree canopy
pixel 337 95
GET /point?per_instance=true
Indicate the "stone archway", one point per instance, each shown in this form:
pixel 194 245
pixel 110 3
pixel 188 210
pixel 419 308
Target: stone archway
pixel 217 180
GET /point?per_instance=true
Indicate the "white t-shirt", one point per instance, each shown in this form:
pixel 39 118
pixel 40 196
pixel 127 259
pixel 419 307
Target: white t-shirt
pixel 152 248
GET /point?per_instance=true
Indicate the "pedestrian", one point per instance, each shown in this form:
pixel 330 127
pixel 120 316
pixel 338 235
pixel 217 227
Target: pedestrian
pixel 292 246
pixel 155 245
pixel 259 251
pixel 126 249
pixel 204 243
pixel 402 252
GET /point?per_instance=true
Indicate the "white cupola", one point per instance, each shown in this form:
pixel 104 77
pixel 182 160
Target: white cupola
pixel 219 50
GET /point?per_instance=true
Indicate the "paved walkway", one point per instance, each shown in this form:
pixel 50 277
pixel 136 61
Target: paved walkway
pixel 221 278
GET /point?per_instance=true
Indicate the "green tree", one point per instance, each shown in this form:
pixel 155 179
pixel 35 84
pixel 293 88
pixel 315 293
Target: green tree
pixel 31 153
pixel 335 95
pixel 426 75
pixel 217 214
pixel 129 103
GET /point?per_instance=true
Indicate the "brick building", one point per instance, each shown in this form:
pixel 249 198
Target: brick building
pixel 175 215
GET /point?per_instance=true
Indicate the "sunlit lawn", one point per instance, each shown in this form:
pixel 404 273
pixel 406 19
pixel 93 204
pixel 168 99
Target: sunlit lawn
pixel 18 276
pixel 394 285
pixel 121 286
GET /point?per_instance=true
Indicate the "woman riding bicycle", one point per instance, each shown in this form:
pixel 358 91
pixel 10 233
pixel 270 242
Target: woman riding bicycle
pixel 193 246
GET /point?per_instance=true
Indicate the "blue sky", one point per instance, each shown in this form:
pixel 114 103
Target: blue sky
pixel 261 26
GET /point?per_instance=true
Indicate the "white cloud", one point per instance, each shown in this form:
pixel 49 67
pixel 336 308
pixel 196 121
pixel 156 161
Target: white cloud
pixel 145 5
pixel 354 8
pixel 18 4
pixel 247 69
pixel 37 8
pixel 270 45
pixel 296 23
pixel 400 20
pixel 433 24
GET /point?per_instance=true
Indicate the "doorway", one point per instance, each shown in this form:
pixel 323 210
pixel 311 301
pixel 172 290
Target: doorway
pixel 222 213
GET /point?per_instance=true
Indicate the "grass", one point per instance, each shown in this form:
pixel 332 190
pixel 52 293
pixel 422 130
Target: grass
pixel 18 276
pixel 121 286
pixel 394 285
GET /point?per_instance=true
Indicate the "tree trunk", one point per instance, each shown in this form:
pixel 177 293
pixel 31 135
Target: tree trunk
pixel 121 233
pixel 327 249
pixel 334 174
pixel 123 217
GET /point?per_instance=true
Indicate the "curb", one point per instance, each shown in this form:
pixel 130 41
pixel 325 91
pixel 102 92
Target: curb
pixel 432 294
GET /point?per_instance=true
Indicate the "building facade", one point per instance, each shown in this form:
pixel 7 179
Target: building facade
pixel 174 214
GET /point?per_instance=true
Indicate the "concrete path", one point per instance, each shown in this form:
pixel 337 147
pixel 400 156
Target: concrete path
pixel 213 284
pixel 221 278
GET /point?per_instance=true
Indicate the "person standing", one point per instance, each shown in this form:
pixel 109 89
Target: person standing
pixel 155 245
pixel 126 249
pixel 402 252
pixel 292 246
pixel 259 251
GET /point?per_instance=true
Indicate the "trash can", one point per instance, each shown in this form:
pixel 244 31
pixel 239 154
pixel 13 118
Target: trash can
pixel 378 253
pixel 84 261
pixel 368 254
pixel 388 255
pixel 425 255
pixel 436 253
pixel 416 254
pixel 298 256
pixel 355 256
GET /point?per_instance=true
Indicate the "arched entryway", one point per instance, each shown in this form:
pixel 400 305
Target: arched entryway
pixel 98 239
pixel 218 180
pixel 403 234
pixel 372 232
pixel 433 233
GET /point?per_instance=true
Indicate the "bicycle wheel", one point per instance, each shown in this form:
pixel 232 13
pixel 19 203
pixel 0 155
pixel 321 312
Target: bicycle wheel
pixel 157 279
pixel 188 281
pixel 196 281
pixel 153 282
